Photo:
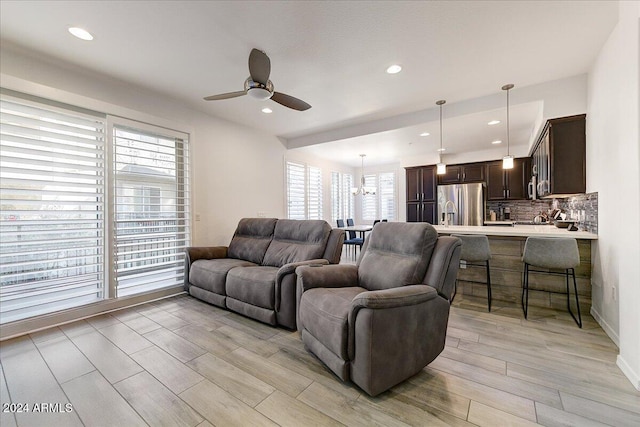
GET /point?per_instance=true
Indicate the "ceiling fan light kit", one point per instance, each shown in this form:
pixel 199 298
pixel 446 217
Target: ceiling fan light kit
pixel 260 87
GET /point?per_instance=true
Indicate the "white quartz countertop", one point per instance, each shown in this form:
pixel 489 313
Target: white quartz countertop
pixel 515 231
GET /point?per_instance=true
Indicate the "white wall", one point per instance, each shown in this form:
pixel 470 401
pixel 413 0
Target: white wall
pixel 613 170
pixel 237 171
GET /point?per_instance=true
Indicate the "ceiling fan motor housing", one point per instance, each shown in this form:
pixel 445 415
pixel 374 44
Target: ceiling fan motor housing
pixel 258 90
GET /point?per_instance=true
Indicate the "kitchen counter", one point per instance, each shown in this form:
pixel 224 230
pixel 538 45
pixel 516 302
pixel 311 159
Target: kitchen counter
pixel 518 230
pixel 507 244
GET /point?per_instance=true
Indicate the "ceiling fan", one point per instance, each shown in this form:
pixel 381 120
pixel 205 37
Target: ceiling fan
pixel 259 86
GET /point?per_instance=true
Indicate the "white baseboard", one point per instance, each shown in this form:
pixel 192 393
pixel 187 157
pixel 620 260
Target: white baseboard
pixel 605 326
pixel 634 377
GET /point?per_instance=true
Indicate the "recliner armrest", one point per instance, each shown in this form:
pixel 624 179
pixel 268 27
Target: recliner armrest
pixel 403 296
pixel 327 276
pixel 291 267
pixel 394 297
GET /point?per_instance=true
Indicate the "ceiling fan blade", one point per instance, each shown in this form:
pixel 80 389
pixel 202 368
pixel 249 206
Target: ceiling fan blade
pixel 290 101
pixel 259 66
pixel 225 95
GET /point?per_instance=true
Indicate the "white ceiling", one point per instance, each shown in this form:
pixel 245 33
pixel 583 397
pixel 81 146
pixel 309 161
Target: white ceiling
pixel 331 54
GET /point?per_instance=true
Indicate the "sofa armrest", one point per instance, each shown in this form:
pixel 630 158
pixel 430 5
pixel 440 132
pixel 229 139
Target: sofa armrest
pixel 443 267
pixel 195 253
pixel 206 252
pixel 327 276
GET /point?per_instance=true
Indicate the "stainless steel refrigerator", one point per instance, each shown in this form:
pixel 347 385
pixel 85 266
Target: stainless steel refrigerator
pixel 461 204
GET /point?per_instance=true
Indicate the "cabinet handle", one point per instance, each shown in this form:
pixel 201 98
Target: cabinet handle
pixel 508 193
pixel 417 196
pixel 458 176
pixel 464 176
pixel 422 196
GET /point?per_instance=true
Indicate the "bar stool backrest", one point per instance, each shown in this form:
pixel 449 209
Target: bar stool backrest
pixel 551 252
pixel 475 247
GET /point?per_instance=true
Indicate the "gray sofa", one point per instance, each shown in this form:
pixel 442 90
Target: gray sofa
pixel 382 320
pixel 255 274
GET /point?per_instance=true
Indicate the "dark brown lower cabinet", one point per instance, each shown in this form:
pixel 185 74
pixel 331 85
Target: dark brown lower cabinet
pixel 422 212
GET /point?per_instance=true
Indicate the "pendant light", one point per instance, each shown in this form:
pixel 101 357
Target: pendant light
pixel 507 161
pixel 362 189
pixel 441 168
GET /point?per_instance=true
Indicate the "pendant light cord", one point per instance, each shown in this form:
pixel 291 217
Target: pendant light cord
pixel 440 152
pixel 508 153
pixel 508 88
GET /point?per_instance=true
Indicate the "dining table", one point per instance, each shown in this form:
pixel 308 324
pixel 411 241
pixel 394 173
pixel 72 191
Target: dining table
pixel 360 229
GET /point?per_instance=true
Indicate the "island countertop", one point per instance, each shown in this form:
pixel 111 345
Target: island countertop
pixel 517 230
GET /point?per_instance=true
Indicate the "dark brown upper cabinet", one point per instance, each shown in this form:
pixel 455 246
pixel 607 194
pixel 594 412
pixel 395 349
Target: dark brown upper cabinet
pixel 421 194
pixel 507 184
pixel 559 157
pixel 458 174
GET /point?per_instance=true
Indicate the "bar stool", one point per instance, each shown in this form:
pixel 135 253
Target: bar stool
pixel 476 252
pixel 557 253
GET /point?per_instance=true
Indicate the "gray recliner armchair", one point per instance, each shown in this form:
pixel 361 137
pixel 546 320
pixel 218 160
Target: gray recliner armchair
pixel 382 320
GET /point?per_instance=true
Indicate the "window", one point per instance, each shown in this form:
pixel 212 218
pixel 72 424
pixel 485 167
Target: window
pixel 58 164
pixel 370 201
pixel 52 208
pixel 151 212
pixel 381 205
pixel 387 195
pixel 304 191
pixel 341 197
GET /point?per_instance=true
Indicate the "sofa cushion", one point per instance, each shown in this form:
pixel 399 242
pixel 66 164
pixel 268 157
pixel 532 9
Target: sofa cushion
pixel 324 313
pixel 211 274
pixel 251 239
pixel 253 285
pixel 396 254
pixel 295 241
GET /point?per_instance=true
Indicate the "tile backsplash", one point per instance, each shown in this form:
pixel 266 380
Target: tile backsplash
pixel 583 208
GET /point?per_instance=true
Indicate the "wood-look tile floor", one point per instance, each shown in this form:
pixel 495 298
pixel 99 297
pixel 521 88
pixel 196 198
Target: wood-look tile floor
pixel 182 362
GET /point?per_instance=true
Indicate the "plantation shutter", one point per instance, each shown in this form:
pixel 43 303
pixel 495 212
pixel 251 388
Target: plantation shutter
pixel 370 201
pixel 295 191
pixel 151 209
pixel 387 191
pixel 341 197
pixel 51 207
pixel 314 193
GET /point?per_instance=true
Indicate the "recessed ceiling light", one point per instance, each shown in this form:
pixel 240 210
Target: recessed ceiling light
pixel 497 141
pixel 394 69
pixel 442 149
pixel 80 33
pixel 425 134
pixel 493 122
pixel 267 110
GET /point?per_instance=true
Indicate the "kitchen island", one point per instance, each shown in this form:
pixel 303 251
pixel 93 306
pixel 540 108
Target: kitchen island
pixel 507 245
